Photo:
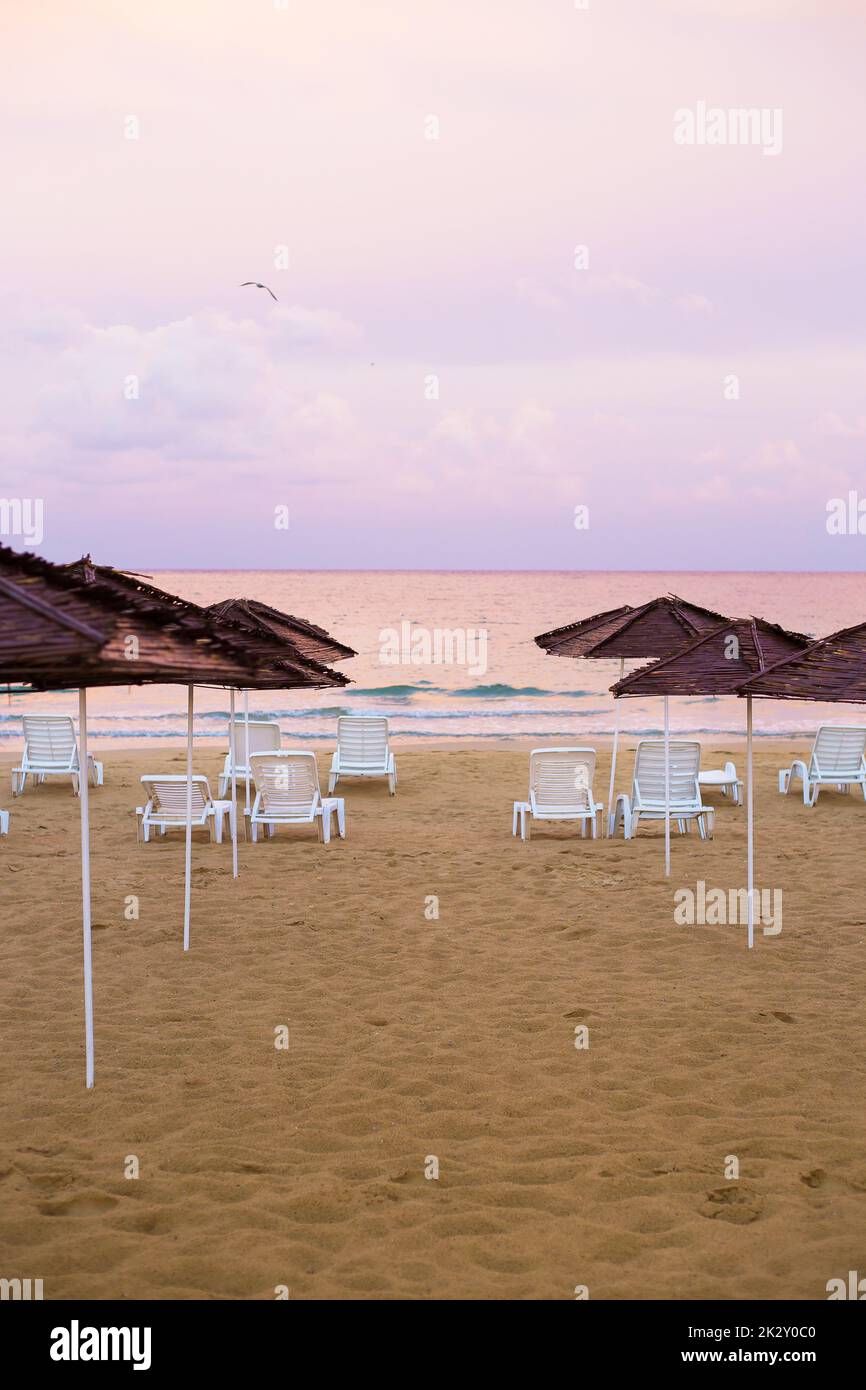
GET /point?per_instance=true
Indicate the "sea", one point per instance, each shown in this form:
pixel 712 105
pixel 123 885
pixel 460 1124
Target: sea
pixel 450 656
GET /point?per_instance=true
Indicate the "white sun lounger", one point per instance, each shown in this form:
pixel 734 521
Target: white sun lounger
pixel 287 793
pixel 726 779
pixel 560 789
pixel 647 800
pixel 51 750
pixel 836 760
pixel 264 738
pixel 166 807
pixel 4 822
pixel 363 750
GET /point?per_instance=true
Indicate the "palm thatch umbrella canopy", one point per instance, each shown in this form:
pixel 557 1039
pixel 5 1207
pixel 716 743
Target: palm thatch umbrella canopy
pixel 58 630
pixel 717 663
pixel 311 641
pixel 298 659
pixel 651 630
pixel 832 668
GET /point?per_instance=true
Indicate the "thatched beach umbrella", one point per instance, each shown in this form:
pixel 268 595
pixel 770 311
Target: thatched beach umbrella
pixel 715 663
pixel 652 630
pixel 270 644
pixel 262 621
pixel 55 632
pixel 311 641
pixel 832 668
pixel 58 630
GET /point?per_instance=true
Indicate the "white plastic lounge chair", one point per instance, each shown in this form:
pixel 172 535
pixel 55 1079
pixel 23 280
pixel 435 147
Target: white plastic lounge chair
pixel 264 738
pixel 837 760
pixel 647 800
pixel 560 788
pixel 4 822
pixel 287 793
pixel 726 779
pixel 166 807
pixel 362 751
pixel 51 750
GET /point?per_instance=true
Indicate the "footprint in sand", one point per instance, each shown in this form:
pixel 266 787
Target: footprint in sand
pixel 90 1204
pixel 734 1204
pixel 816 1177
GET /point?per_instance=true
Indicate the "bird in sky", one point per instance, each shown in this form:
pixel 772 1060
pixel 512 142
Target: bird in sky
pixel 259 286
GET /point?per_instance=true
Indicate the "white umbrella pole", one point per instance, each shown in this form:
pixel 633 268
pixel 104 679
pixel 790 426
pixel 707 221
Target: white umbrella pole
pixel 247 749
pixel 187 872
pixel 667 792
pixel 234 784
pixel 613 754
pixel 750 823
pixel 84 798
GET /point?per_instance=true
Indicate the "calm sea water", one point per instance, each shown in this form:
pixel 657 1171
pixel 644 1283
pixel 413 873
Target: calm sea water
pixel 511 689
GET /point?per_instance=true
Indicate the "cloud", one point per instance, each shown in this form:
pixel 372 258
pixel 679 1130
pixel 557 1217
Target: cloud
pixel 617 284
pixel 833 424
pixel 537 296
pixel 693 303
pixel 716 488
pixel 206 386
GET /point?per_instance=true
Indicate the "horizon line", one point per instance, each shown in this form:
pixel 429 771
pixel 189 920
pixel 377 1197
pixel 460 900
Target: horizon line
pixel 400 569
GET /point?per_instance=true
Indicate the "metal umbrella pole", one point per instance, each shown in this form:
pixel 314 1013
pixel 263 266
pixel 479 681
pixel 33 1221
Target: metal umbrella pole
pixel 234 815
pixel 610 816
pixel 188 855
pixel 247 750
pixel 667 792
pixel 84 797
pixel 750 823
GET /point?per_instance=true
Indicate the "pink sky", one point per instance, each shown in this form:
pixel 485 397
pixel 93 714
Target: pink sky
pixel 451 258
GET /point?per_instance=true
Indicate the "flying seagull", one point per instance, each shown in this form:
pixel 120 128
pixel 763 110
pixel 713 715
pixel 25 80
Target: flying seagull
pixel 259 286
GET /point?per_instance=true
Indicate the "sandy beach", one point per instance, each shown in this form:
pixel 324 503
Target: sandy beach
pixel 559 1166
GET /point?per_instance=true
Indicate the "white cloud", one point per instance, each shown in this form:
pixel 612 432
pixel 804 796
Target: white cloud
pixel 834 425
pixel 694 303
